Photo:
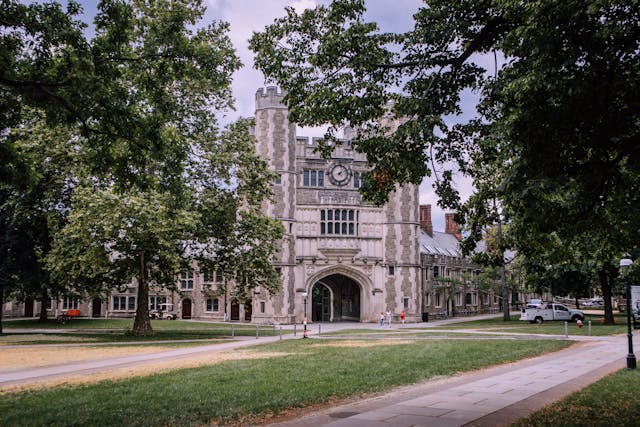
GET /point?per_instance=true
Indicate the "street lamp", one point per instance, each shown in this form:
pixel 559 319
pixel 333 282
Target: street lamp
pixel 304 298
pixel 631 358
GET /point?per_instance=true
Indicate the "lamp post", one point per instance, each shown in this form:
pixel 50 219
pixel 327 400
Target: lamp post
pixel 631 357
pixel 304 299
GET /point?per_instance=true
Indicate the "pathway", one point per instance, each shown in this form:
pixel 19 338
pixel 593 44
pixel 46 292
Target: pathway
pixel 490 397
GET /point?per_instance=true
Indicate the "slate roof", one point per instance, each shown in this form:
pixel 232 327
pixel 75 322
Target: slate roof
pixel 439 244
pixel 448 245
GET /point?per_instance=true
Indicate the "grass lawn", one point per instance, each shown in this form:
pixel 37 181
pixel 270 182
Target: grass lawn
pixel 310 372
pixel 550 327
pixel 116 330
pixel 402 333
pixel 612 401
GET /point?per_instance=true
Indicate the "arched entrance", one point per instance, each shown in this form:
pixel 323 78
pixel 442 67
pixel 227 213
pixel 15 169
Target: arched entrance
pixel 336 298
pixel 186 309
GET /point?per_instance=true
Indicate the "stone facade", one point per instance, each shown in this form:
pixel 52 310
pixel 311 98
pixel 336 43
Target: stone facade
pixel 449 279
pixel 347 259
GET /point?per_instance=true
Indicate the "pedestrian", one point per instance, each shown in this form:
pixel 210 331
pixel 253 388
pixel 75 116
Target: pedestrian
pixel 402 317
pixel 388 317
pixel 381 319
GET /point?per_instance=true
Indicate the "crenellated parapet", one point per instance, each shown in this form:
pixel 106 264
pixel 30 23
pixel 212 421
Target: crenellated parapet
pixel 269 97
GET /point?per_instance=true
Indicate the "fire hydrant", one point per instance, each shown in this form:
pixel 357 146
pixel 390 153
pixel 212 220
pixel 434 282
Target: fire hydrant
pixel 579 323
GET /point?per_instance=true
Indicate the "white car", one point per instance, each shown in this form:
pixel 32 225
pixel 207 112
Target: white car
pixel 165 312
pixel 594 302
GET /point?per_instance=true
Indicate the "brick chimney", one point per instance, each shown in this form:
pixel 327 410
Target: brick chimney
pixel 425 219
pixel 451 227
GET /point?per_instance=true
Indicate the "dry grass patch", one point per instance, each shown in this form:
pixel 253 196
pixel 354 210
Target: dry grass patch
pixel 20 358
pixel 139 370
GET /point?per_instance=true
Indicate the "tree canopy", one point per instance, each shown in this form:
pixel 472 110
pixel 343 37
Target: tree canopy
pixel 555 137
pixel 141 99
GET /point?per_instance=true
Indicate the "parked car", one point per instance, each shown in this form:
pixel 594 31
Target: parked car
pixel 594 302
pixel 165 312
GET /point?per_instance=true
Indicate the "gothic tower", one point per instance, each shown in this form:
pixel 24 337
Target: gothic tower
pixel 276 142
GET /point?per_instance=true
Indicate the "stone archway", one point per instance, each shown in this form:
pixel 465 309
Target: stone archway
pixel 336 298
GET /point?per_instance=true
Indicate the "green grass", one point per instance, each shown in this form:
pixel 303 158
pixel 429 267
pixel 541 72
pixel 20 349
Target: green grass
pixel 548 328
pixel 407 333
pixel 117 330
pixel 313 372
pixel 612 401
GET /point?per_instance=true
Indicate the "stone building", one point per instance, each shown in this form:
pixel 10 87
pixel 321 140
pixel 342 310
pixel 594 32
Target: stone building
pixel 450 285
pixel 349 260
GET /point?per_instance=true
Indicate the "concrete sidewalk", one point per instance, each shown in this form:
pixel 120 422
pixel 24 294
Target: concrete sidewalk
pixel 490 397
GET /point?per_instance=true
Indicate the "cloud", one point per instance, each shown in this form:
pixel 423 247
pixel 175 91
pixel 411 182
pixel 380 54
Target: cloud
pixel 301 5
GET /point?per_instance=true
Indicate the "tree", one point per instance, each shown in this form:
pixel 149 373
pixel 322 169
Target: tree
pixel 234 236
pixel 114 236
pixel 143 93
pixel 558 124
pixel 32 210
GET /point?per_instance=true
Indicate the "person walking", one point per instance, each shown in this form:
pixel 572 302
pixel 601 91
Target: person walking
pixel 381 319
pixel 402 317
pixel 388 317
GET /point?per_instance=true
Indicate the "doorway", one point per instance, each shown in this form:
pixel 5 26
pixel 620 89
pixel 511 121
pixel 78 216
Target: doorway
pixel 248 311
pixel 235 310
pixel 320 303
pixel 96 307
pixel 186 309
pixel 28 307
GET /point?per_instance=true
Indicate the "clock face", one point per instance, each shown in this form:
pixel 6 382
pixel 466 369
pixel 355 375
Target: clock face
pixel 340 174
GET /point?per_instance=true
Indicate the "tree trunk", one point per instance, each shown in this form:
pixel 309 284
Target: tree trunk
pixel 506 307
pixel 577 303
pixel 605 277
pixel 506 312
pixel 1 305
pixel 43 308
pixel 142 323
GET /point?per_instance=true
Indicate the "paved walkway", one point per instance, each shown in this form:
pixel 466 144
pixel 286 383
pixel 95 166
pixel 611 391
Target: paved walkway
pixel 490 397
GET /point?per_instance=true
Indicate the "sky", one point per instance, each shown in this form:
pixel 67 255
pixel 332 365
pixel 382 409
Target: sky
pixel 247 16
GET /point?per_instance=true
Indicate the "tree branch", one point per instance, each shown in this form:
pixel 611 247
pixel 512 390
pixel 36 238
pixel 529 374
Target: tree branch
pixel 487 35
